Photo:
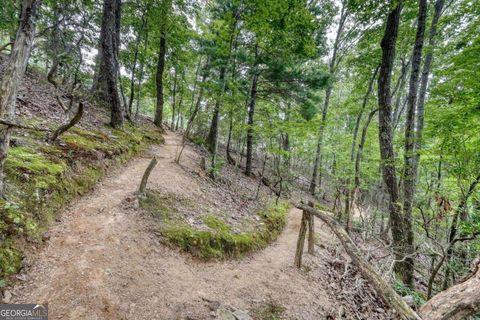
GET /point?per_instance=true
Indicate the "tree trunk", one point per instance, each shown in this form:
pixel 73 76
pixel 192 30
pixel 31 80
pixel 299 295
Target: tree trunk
pixel 174 96
pixel 213 132
pixel 12 77
pixel 462 206
pixel 251 112
pixel 385 133
pixel 158 120
pixel 193 114
pixel 409 172
pixel 213 136
pixel 140 78
pixel 362 109
pixel 230 159
pixel 332 68
pixel 134 63
pixel 107 84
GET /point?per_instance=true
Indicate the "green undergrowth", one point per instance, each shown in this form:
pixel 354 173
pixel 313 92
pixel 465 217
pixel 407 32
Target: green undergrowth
pixel 43 178
pixel 403 290
pixel 218 241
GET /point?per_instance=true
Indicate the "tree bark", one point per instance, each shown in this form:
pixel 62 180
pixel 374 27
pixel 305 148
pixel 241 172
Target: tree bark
pixel 332 69
pixel 301 239
pixel 409 171
pixel 213 132
pixel 174 96
pixel 362 109
pixel 251 113
pixel 140 78
pixel 457 302
pixel 134 63
pixel 12 77
pixel 162 49
pixel 213 136
pixel 107 84
pixel 385 133
pixel 439 4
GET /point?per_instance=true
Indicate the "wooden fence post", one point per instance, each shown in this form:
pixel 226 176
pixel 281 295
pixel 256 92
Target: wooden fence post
pixel 301 239
pixel 311 230
pixel 143 184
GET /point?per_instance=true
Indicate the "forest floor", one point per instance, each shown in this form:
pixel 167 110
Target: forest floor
pixel 103 260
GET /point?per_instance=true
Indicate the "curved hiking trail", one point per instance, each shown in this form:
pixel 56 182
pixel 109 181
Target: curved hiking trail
pixel 103 261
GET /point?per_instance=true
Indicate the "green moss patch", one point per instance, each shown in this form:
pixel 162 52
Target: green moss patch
pixel 43 178
pixel 218 240
pixel 269 311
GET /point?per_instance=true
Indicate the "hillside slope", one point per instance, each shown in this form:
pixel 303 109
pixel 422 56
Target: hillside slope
pixel 104 261
pixel 42 177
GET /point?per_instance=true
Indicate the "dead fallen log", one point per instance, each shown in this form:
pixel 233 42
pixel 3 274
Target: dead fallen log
pixel 12 124
pixel 383 289
pixel 457 302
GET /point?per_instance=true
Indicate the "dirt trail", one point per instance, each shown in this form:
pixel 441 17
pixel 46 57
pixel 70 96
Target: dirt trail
pixel 104 262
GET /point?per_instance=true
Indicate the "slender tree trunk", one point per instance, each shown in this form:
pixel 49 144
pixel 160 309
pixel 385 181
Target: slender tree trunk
pixel 439 4
pixel 385 133
pixel 158 120
pixel 332 68
pixel 398 108
pixel 195 110
pixel 409 172
pixel 140 78
pixel 229 139
pixel 179 109
pixel 12 77
pixel 174 96
pixel 462 206
pixel 358 159
pixel 251 113
pixel 362 109
pixel 134 63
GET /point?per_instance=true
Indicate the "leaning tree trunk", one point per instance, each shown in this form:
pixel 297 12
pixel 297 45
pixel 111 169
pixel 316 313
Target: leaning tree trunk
pixel 409 172
pixel 385 133
pixel 12 76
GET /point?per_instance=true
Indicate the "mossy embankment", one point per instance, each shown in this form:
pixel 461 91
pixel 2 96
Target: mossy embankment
pixel 43 178
pixel 215 239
